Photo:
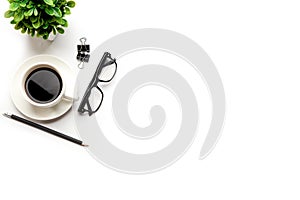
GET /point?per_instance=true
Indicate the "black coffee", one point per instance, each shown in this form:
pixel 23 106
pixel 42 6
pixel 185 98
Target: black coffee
pixel 43 85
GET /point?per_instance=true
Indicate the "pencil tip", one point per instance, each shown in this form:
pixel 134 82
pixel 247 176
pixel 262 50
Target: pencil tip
pixel 6 115
pixel 85 145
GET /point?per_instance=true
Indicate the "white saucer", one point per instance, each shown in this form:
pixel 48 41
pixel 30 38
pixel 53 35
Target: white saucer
pixel 34 112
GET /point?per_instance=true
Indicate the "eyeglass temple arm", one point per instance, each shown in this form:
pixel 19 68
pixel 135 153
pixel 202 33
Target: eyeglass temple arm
pixel 84 101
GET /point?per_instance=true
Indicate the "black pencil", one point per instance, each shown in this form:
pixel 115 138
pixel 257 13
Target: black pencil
pixel 43 128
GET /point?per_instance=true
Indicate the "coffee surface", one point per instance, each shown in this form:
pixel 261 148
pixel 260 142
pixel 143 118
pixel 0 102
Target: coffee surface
pixel 43 85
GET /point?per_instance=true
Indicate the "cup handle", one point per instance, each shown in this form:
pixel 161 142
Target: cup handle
pixel 69 93
pixel 67 98
pixel 70 98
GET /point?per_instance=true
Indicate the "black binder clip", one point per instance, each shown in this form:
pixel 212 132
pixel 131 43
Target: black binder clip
pixel 82 55
pixel 83 47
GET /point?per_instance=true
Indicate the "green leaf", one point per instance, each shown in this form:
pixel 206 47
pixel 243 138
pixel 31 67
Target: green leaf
pixel 24 29
pixel 60 21
pixel 38 34
pixel 45 26
pixel 19 16
pixel 71 4
pixel 42 32
pixel 9 14
pixel 57 12
pixel 65 24
pixel 27 24
pixel 14 6
pixel 53 19
pixel 49 2
pixel 41 20
pixel 30 4
pixel 32 32
pixel 35 12
pixel 13 22
pixel 33 19
pixel 24 3
pixel 29 12
pixel 67 11
pixel 50 11
pixel 60 30
pixel 36 25
pixel 18 26
pixel 45 37
pixel 53 30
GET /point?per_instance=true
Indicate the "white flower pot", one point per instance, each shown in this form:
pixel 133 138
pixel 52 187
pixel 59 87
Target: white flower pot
pixel 51 37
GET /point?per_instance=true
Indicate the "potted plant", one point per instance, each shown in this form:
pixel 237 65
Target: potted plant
pixel 40 18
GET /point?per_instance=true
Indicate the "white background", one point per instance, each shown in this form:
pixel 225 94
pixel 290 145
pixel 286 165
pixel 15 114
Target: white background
pixel 255 46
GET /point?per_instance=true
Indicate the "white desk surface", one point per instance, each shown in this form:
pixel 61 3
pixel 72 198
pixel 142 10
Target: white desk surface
pixel 256 49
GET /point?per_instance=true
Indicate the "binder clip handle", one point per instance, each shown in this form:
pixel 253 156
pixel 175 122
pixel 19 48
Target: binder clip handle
pixel 83 40
pixel 80 65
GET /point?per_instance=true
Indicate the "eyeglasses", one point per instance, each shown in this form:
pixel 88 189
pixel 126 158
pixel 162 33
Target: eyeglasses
pixel 105 72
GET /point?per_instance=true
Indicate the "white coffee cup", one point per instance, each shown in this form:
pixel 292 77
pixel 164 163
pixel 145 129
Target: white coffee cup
pixel 49 73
